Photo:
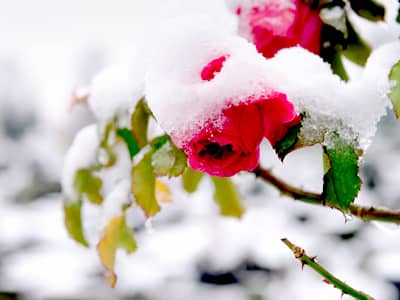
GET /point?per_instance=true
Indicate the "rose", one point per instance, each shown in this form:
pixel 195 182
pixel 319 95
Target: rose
pixel 234 145
pixel 217 98
pixel 276 24
pixel 231 146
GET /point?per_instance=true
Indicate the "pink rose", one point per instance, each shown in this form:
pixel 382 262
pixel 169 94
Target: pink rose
pixel 232 145
pixel 277 24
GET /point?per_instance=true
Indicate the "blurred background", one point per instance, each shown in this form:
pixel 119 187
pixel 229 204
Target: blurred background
pixel 50 48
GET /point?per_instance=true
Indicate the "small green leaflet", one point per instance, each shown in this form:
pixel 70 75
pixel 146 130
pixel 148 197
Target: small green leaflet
pixel 168 160
pixel 227 197
pixel 341 181
pixel 116 235
pixel 287 144
pixel 369 9
pixel 87 184
pixel 356 49
pixel 130 141
pixel 191 180
pixel 144 184
pixel 395 92
pixel 73 221
pixel 139 122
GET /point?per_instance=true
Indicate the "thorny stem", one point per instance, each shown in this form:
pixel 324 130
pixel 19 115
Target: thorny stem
pixel 301 255
pixel 363 212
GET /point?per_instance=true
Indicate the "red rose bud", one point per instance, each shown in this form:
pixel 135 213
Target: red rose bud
pixel 276 24
pixel 234 145
pixel 214 94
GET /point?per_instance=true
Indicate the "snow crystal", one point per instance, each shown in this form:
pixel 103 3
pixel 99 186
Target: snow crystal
pixel 82 154
pixel 116 90
pixel 120 171
pixel 114 202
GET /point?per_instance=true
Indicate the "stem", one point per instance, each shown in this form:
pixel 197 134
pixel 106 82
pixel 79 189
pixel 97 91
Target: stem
pixel 301 255
pixel 363 212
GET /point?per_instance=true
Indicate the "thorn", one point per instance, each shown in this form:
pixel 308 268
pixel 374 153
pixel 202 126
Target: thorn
pixel 313 259
pixel 326 281
pixel 341 296
pixel 302 265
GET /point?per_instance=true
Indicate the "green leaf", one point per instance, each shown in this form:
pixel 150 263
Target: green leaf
pixel 116 235
pixel 191 179
pixel 341 182
pixel 288 143
pixel 140 121
pixel 168 160
pixel 159 141
pixel 338 67
pixel 73 221
pixel 144 184
pixel 130 141
pixel 368 9
pixel 395 92
pixel 108 130
pixel 227 197
pixel 86 183
pixel 356 49
pixel 398 16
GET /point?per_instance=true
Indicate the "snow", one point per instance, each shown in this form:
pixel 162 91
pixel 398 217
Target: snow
pixel 352 109
pixel 116 90
pixel 182 102
pixel 82 154
pixel 179 98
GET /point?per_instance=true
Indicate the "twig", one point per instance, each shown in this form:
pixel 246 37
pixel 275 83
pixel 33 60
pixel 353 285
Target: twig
pixel 363 212
pixel 301 255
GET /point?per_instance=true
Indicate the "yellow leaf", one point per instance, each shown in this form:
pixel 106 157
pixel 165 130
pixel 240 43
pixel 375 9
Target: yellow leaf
pixel 116 235
pixel 163 193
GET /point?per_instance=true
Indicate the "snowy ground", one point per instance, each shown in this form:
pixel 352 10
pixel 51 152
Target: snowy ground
pixel 191 253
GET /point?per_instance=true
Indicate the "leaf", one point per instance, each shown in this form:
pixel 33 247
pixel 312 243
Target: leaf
pixel 168 160
pixel 338 67
pixel 191 180
pixel 368 9
pixel 288 143
pixel 398 16
pixel 341 182
pixel 144 184
pixel 395 92
pixel 86 183
pixel 130 141
pixel 116 235
pixel 337 41
pixel 108 130
pixel 163 193
pixel 356 49
pixel 227 197
pixel 140 121
pixel 159 141
pixel 73 221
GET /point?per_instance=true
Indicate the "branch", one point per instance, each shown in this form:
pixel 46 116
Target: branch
pixel 363 212
pixel 301 255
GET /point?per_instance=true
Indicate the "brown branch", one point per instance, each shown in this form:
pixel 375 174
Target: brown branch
pixel 363 212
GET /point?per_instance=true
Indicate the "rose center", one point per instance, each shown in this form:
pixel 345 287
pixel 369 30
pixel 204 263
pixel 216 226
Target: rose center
pixel 215 150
